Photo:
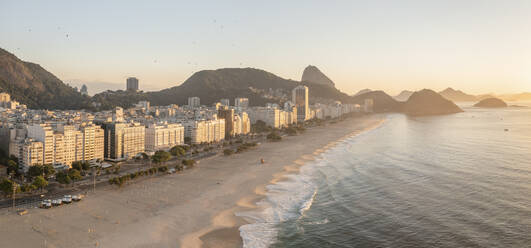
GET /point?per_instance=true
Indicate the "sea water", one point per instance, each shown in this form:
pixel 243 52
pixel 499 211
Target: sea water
pixel 461 180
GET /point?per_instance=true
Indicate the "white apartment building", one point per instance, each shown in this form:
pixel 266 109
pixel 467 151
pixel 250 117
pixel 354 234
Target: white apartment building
pixel 32 153
pixel 159 137
pixel 205 131
pixel 273 117
pixel 43 133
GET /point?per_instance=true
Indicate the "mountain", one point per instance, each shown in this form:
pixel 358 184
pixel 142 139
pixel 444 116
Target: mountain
pixel 403 96
pixel 361 92
pixel 516 97
pixel 30 84
pixel 457 95
pixel 382 101
pixel 313 75
pixel 210 86
pixel 428 102
pixel 491 103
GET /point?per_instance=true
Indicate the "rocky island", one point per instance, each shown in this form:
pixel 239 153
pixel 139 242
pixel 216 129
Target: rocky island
pixel 491 103
pixel 428 102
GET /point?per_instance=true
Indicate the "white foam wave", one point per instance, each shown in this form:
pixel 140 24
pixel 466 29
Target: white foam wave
pixel 286 200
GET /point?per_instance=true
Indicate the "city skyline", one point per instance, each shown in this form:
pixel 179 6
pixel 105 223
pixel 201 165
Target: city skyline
pixel 475 46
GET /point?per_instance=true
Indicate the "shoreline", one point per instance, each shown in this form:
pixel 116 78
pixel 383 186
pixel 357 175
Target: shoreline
pixel 191 209
pixel 225 225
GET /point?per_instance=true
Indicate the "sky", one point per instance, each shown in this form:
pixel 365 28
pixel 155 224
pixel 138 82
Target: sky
pixel 478 46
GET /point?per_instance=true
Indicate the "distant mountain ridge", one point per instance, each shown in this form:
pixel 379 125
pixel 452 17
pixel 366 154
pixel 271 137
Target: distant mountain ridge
pixel 212 85
pixel 457 95
pixel 32 85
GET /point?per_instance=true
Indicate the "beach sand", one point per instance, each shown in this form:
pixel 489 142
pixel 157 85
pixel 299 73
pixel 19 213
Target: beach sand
pixel 191 209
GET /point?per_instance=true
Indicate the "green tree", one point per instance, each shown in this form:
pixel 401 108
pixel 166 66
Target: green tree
pixel 161 157
pixel 6 186
pixel 178 151
pixel 74 174
pixel 85 166
pixel 63 178
pixel 39 182
pixel 145 156
pixel 12 166
pixel 78 165
pixel 48 170
pixel 35 170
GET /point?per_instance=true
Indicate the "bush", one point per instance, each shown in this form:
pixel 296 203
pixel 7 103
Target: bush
pixel 188 162
pixel 273 136
pixel 228 152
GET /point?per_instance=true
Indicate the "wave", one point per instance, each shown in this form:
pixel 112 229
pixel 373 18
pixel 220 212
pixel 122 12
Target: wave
pixel 286 200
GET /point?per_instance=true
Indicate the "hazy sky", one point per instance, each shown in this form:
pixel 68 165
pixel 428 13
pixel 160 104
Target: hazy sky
pixel 476 46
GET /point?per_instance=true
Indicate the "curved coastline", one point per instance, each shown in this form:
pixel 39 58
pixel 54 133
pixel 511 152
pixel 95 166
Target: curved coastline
pixel 195 208
pixel 225 228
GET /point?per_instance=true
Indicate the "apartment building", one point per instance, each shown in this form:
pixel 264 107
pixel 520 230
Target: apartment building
pixel 123 140
pixel 160 137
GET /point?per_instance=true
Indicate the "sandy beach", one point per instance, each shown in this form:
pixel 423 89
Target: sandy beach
pixel 192 209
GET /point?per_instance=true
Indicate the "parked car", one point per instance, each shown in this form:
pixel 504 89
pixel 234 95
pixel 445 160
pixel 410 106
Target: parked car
pixel 46 204
pixel 57 202
pixel 67 199
pixel 77 198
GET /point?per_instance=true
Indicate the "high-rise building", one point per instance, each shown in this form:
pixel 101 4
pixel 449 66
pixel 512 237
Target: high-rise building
pixel 300 99
pixel 43 133
pixel 228 115
pixel 31 153
pixel 194 102
pixel 246 123
pixel 159 137
pixel 242 103
pixel 132 84
pixel 225 102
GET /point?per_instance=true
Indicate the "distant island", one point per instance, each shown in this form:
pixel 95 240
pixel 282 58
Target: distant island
pixel 428 102
pixel 491 103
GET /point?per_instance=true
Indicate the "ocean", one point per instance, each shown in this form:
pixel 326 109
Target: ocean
pixel 460 180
